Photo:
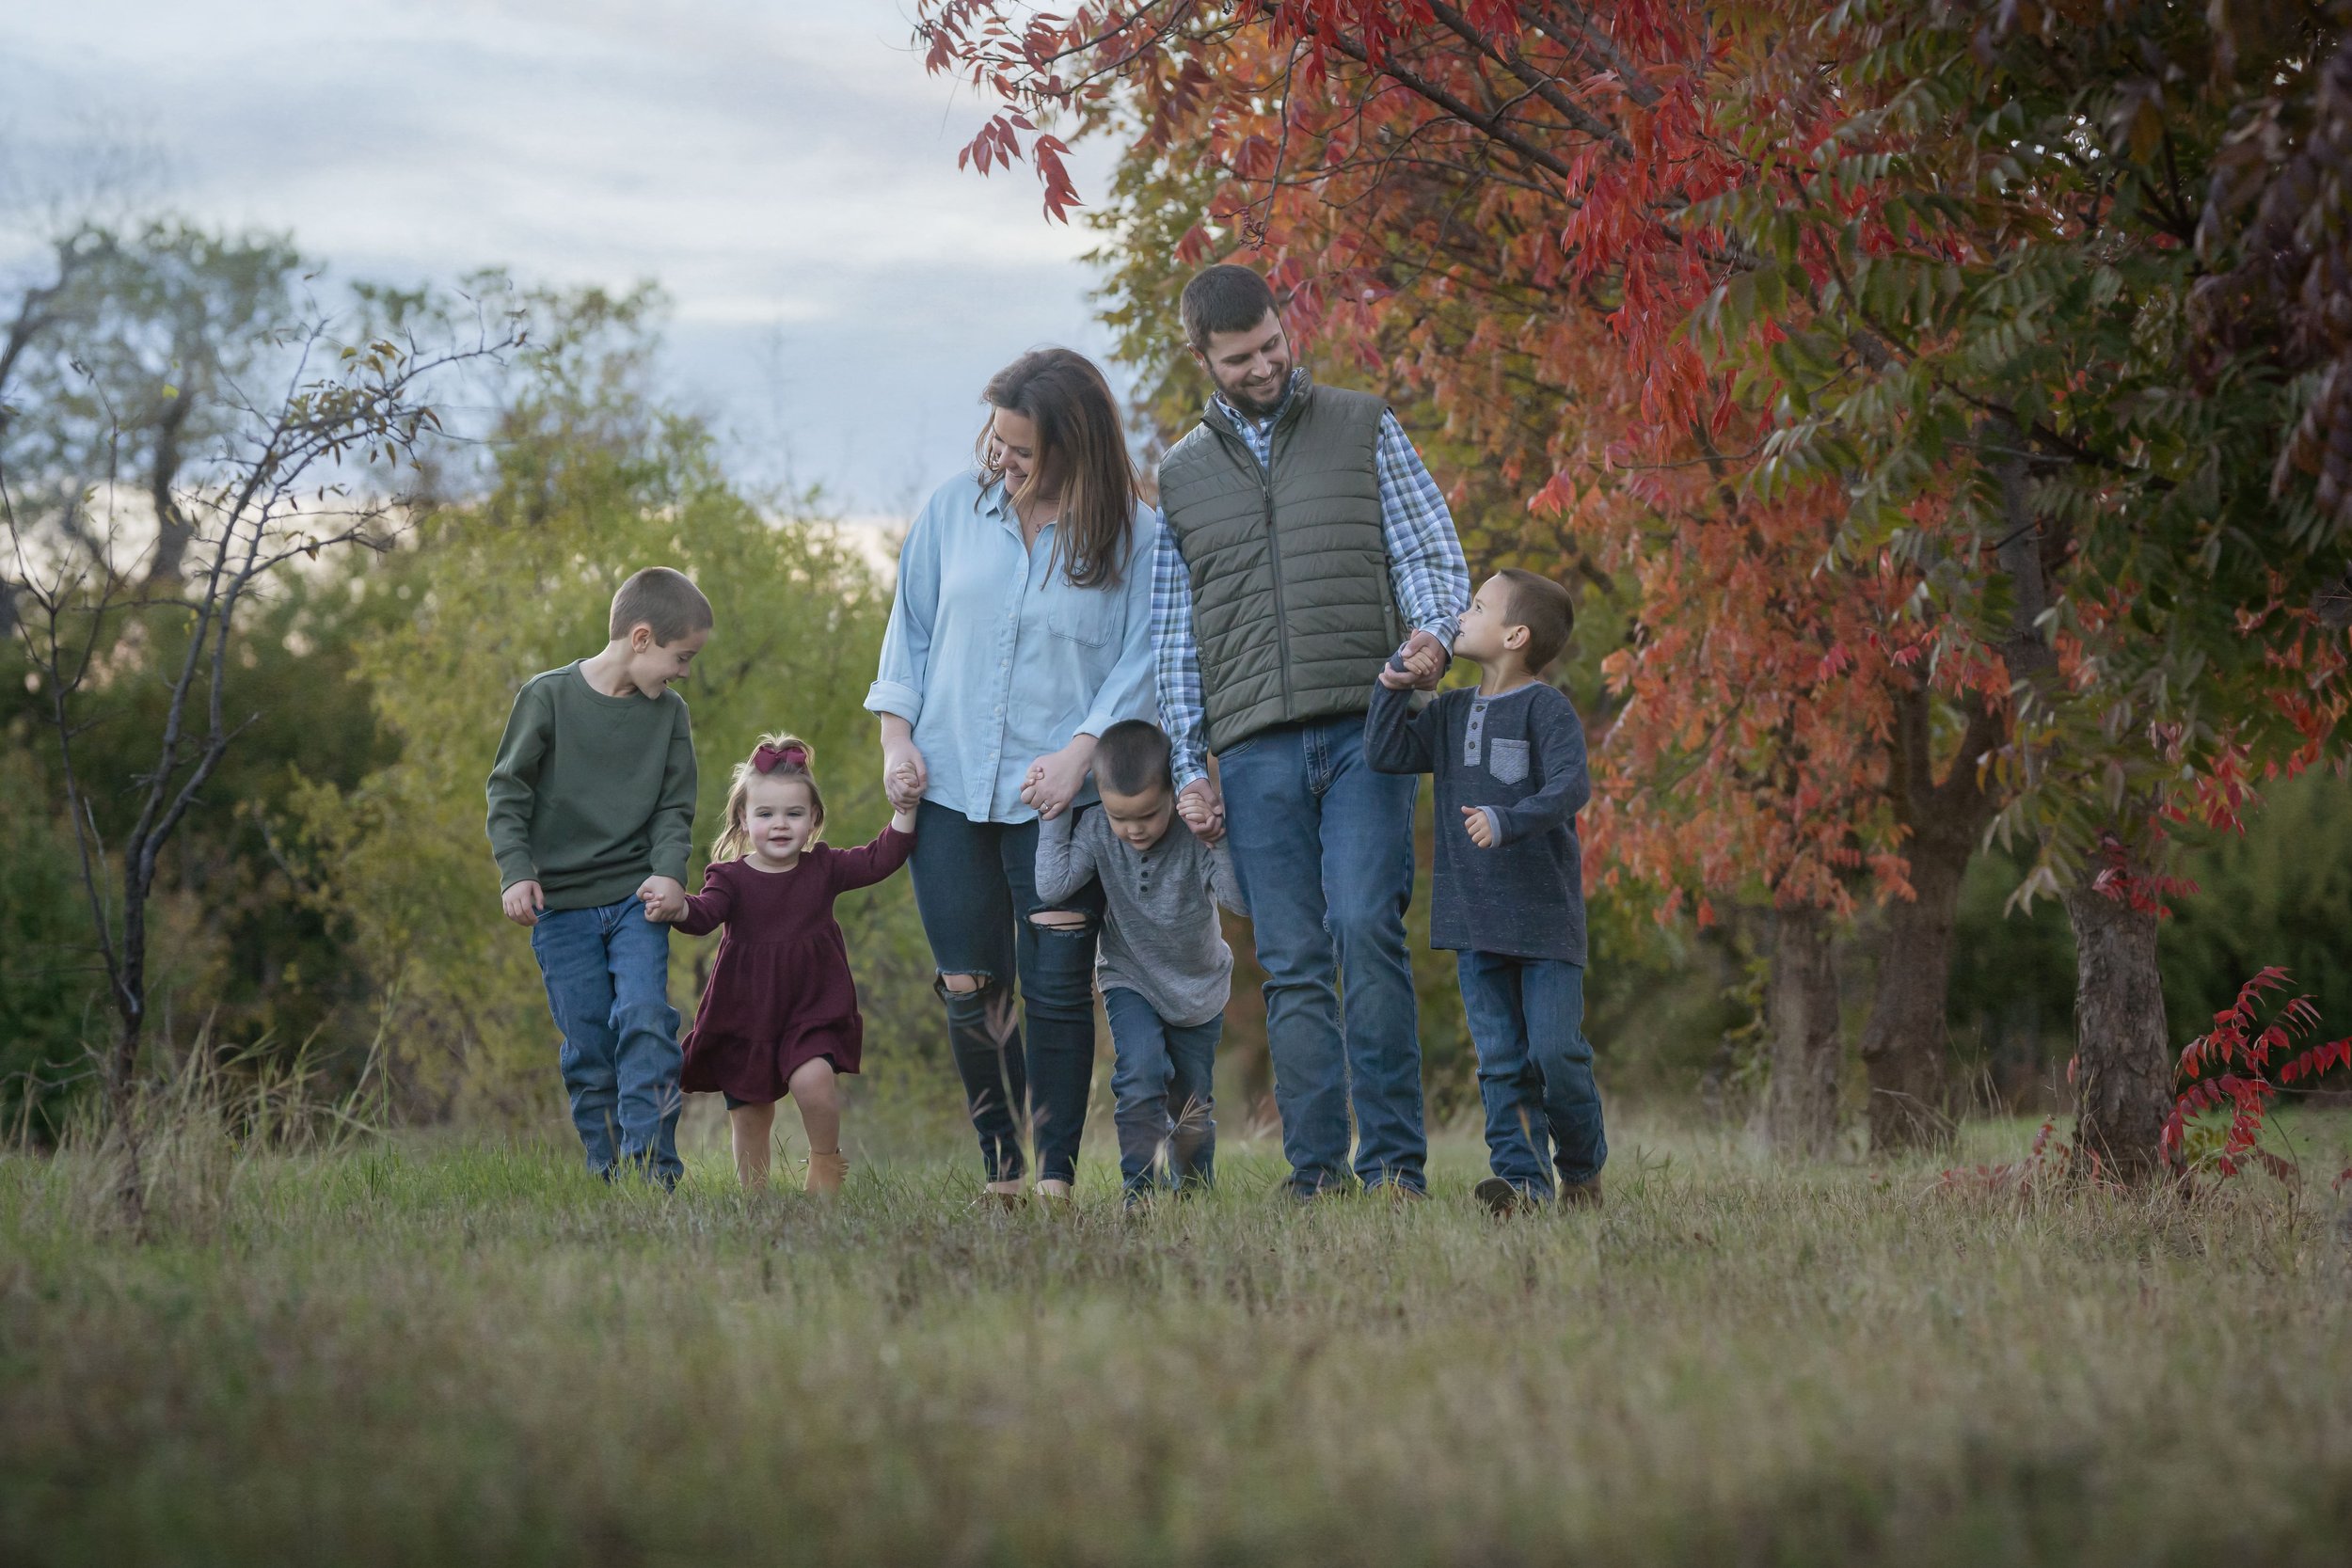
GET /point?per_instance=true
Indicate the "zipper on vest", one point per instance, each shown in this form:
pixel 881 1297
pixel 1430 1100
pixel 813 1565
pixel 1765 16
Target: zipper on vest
pixel 1235 445
pixel 1273 559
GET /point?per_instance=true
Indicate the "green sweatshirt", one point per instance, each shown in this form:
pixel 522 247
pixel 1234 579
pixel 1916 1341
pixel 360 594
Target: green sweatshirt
pixel 590 793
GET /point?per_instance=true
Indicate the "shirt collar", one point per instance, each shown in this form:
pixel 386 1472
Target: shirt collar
pixel 1241 420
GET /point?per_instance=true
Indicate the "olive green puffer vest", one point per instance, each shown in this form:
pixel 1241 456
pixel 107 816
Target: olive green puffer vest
pixel 1290 600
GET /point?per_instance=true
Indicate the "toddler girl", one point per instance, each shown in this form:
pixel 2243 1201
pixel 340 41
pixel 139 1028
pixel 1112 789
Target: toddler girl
pixel 780 1015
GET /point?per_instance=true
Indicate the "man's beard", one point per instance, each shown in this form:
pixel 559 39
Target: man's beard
pixel 1256 410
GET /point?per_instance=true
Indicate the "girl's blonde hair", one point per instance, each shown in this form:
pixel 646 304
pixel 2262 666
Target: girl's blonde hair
pixel 777 756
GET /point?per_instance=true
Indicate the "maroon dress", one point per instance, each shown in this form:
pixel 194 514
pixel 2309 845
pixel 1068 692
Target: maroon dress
pixel 780 991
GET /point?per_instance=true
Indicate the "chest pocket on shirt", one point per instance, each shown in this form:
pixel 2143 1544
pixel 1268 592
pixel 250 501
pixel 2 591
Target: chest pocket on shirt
pixel 1087 615
pixel 1507 760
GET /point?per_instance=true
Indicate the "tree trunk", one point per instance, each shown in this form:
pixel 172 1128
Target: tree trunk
pixel 1801 1000
pixel 1906 1045
pixel 2122 1070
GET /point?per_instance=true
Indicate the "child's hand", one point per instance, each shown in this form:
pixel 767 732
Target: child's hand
pixel 905 774
pixel 523 903
pixel 1425 659
pixel 1056 777
pixel 664 898
pixel 1481 830
pixel 1202 811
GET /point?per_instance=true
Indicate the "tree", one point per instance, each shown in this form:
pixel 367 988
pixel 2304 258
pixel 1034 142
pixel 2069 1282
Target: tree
pixel 1996 247
pixel 1489 208
pixel 111 591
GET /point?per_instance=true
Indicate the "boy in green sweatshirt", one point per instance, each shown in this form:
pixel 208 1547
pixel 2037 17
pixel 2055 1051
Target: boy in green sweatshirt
pixel 592 815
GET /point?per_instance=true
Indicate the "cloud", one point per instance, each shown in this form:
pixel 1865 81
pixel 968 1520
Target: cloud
pixel 779 167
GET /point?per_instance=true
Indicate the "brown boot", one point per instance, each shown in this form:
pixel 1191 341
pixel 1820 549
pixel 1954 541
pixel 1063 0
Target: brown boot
pixel 825 1172
pixel 1581 1194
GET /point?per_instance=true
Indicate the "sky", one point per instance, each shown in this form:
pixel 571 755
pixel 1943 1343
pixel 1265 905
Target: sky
pixel 784 168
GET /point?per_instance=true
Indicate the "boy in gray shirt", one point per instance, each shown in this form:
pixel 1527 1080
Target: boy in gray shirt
pixel 1165 969
pixel 1509 760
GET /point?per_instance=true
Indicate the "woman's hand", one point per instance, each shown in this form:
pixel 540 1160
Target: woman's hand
pixel 1054 778
pixel 905 776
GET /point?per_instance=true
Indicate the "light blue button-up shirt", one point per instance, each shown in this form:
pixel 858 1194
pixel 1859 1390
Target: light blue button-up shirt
pixel 995 660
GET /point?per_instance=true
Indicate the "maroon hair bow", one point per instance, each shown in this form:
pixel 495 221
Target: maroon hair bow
pixel 767 759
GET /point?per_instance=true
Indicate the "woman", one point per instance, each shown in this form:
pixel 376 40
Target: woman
pixel 1019 631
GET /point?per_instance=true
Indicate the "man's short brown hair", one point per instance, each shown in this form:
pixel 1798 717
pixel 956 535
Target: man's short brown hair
pixel 665 602
pixel 1226 297
pixel 1545 609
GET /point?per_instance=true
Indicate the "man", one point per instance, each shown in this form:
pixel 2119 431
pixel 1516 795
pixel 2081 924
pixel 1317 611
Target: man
pixel 1304 540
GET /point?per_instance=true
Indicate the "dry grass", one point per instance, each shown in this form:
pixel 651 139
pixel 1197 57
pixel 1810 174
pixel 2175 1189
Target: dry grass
pixel 421 1351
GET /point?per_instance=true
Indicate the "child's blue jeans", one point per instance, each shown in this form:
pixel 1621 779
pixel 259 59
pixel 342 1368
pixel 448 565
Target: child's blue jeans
pixel 608 973
pixel 1535 1068
pixel 1160 1084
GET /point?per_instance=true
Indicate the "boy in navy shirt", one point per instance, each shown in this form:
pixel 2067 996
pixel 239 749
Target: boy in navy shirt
pixel 1509 760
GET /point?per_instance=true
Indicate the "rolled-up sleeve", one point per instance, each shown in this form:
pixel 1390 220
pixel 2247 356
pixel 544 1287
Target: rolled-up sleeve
pixel 906 650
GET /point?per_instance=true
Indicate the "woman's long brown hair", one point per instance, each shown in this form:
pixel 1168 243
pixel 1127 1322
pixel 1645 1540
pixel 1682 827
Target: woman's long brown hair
pixel 1081 446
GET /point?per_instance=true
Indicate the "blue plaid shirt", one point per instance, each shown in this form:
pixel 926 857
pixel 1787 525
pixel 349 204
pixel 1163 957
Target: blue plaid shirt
pixel 1427 570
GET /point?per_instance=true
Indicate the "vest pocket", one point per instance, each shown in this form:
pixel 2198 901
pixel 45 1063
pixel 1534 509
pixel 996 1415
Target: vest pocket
pixel 1507 760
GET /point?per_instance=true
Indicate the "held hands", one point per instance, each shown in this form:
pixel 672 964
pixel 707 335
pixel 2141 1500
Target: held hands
pixel 1054 778
pixel 664 898
pixel 1481 831
pixel 1202 809
pixel 1425 659
pixel 905 776
pixel 523 903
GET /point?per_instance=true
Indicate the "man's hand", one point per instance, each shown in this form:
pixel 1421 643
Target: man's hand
pixel 664 898
pixel 1056 777
pixel 523 903
pixel 1482 833
pixel 1425 659
pixel 1202 809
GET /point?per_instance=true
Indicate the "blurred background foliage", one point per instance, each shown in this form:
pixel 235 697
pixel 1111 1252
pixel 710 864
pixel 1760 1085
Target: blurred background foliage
pixel 336 889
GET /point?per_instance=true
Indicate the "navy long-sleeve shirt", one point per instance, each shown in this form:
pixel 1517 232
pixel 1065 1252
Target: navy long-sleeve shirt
pixel 1519 756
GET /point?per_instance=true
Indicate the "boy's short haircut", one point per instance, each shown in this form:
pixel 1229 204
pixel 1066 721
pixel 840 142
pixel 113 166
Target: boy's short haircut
pixel 1132 759
pixel 1545 609
pixel 665 601
pixel 1223 298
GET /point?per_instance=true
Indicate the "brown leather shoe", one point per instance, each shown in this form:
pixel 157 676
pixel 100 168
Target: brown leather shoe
pixel 1581 1194
pixel 1500 1199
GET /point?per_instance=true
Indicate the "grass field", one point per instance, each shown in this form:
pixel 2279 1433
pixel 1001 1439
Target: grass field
pixel 431 1351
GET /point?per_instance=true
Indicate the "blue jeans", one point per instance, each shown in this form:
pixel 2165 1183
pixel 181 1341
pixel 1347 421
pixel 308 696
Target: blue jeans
pixel 608 973
pixel 1535 1068
pixel 1160 1082
pixel 1323 846
pixel 975 887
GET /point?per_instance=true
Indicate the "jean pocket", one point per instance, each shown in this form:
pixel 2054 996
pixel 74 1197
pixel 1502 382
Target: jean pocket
pixel 1507 760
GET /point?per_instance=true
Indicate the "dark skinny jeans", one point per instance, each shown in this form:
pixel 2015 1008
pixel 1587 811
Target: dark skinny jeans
pixel 975 887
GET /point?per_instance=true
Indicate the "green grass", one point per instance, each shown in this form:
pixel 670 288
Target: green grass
pixel 421 1351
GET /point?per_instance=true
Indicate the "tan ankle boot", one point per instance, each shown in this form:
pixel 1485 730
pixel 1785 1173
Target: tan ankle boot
pixel 826 1171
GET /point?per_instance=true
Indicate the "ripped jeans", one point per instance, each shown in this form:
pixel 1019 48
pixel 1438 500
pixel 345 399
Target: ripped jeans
pixel 975 887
